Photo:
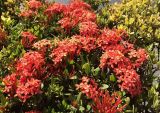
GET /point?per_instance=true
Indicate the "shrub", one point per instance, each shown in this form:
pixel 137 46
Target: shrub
pixel 140 19
pixel 58 58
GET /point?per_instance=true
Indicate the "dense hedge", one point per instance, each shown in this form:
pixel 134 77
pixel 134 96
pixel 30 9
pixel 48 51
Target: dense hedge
pixel 78 57
pixel 140 18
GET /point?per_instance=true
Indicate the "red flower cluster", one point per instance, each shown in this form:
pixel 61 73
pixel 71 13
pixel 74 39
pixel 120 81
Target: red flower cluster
pixel 31 65
pixel 76 12
pixel 77 4
pixel 26 90
pixel 123 58
pixel 111 58
pixel 28 13
pixel 129 80
pixel 107 38
pixel 87 43
pixel 103 101
pixel 10 82
pixel 138 57
pixel 88 28
pixel 33 5
pixel 27 39
pixel 42 46
pixel 65 48
pixel 67 23
pixel 26 81
pixel 72 47
pixel 55 8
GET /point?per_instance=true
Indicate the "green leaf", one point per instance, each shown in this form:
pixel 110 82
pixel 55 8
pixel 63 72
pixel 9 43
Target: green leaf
pixel 104 86
pixel 65 105
pixel 123 93
pixel 103 74
pixel 86 68
pixel 131 20
pixel 3 100
pixel 81 108
pixel 156 101
pixel 79 96
pixel 88 107
pixel 73 77
pixel 71 62
pixel 96 71
pixel 66 72
pixel 127 99
pixel 112 78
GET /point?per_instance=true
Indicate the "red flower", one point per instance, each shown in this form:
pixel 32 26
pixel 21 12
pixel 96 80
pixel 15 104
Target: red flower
pixel 76 12
pixel 76 4
pixel 27 39
pixel 122 58
pixel 65 48
pixel 43 45
pixel 124 69
pixel 28 89
pixel 55 8
pixel 127 47
pixel 111 58
pixel 102 101
pixel 71 20
pixel 87 43
pixel 34 4
pixel 88 28
pixel 66 23
pixel 31 65
pixel 108 37
pixel 129 81
pixel 25 83
pixel 10 82
pixel 89 16
pixel 138 57
pixel 27 13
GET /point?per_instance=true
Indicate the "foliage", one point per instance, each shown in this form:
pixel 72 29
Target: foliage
pixel 140 18
pixel 60 58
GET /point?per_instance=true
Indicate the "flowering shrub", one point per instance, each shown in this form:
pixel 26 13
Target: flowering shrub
pixel 26 81
pixel 103 102
pixel 143 27
pixel 62 44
